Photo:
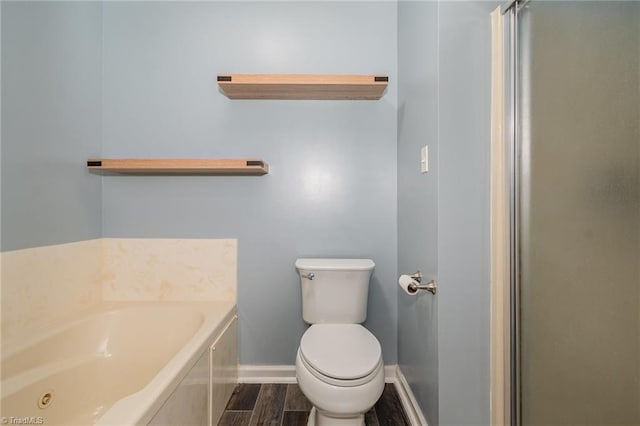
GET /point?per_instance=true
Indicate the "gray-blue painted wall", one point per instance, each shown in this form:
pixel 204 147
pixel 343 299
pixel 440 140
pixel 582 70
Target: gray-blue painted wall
pixel 51 83
pixel 418 197
pixel 332 186
pixel 443 342
pixel 464 60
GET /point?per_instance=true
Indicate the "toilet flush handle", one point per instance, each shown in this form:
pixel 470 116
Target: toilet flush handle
pixel 309 276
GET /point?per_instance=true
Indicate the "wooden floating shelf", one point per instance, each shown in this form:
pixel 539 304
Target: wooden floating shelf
pixel 238 166
pixel 303 86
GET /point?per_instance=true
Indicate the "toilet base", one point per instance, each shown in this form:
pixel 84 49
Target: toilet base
pixel 317 418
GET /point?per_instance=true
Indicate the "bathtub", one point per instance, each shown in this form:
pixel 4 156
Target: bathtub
pixel 115 365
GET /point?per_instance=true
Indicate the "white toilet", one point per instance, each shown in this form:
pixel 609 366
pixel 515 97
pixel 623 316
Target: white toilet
pixel 339 363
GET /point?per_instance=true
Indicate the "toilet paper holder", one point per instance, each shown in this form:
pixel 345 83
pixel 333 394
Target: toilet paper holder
pixel 431 286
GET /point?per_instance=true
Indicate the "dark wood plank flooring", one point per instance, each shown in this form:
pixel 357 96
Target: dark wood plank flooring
pixel 285 405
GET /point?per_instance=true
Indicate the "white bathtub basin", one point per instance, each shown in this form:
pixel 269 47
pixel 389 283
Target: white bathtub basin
pixel 115 365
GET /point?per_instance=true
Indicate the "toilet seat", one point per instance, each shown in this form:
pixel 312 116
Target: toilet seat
pixel 341 354
pixel 339 382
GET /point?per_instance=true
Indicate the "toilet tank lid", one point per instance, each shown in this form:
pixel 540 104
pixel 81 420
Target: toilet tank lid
pixel 335 264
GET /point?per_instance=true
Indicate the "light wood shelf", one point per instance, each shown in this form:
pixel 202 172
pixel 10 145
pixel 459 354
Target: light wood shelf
pixel 225 166
pixel 303 86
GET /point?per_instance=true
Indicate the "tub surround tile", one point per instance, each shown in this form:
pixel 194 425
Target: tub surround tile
pixel 169 269
pixel 270 405
pixel 44 285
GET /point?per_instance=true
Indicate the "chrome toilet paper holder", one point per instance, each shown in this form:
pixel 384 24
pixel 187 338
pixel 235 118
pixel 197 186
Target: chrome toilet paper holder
pixel 431 286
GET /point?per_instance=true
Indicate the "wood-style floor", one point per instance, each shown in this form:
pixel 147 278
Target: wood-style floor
pixel 286 405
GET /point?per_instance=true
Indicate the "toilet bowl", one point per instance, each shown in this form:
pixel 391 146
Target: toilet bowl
pixel 339 368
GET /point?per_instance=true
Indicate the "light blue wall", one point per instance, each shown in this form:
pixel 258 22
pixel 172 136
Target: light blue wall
pixel 418 197
pixel 332 186
pixel 444 98
pixel 464 61
pixel 51 72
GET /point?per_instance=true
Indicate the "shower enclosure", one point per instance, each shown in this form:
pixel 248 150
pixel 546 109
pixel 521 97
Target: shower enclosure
pixel 574 126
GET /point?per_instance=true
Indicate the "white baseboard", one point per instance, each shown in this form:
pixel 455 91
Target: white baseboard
pixel 287 373
pixel 409 402
pixel 266 373
pixel 390 373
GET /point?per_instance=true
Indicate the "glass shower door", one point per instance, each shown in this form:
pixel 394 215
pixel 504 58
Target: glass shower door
pixel 579 121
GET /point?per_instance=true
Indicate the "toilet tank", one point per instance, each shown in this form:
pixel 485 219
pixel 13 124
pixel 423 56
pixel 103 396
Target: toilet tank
pixel 334 291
